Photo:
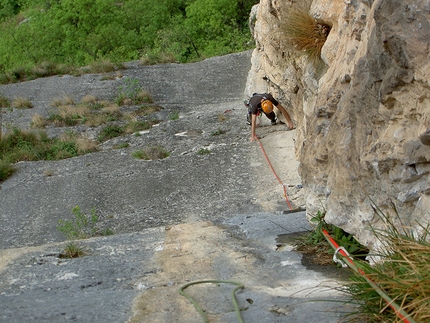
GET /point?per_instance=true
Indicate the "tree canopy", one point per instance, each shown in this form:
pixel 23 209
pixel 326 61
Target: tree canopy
pixel 78 32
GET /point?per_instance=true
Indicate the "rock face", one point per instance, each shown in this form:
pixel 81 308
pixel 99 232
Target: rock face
pixel 363 119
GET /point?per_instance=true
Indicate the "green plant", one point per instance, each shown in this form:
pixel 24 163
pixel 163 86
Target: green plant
pixel 6 170
pixel 402 273
pixel 21 145
pixel 136 126
pixel 305 33
pixel 151 153
pixel 203 151
pixel 132 93
pixel 104 66
pixel 174 115
pixel 73 249
pixel 218 132
pixel 109 132
pixel 121 145
pixel 79 35
pixel 4 102
pixel 139 154
pixel 81 227
pixel 107 232
pixel 146 109
pixel 315 243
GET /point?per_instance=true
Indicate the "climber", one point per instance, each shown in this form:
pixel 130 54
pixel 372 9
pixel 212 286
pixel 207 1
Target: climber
pixel 264 103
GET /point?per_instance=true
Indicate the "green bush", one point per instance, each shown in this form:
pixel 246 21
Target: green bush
pixel 81 227
pixel 109 132
pixel 55 34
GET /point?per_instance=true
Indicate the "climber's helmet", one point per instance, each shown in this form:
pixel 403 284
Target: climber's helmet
pixel 267 106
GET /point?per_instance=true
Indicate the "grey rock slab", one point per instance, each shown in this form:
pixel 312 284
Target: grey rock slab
pixel 99 287
pixel 200 213
pixel 131 194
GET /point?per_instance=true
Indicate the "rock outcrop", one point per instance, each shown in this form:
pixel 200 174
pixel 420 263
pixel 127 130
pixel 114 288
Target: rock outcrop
pixel 363 119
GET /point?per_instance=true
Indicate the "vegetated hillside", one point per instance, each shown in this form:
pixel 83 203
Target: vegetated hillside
pixel 78 32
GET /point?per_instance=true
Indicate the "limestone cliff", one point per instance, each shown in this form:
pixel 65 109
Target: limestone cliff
pixel 363 118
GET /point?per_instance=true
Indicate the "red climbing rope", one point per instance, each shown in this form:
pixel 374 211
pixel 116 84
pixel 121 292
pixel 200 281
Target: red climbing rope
pixel 350 262
pixel 276 175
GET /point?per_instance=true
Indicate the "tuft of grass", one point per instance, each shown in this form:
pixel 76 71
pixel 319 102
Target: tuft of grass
pixel 89 111
pixel 89 100
pixel 160 58
pixel 109 132
pixel 218 132
pixel 73 249
pixel 131 93
pixel 37 121
pixel 222 117
pixel 306 34
pixel 65 100
pixel 151 153
pixel 135 126
pixel 121 145
pixel 22 103
pixel 204 151
pixel 31 146
pixel 6 170
pixel 82 226
pixel 104 67
pixel 4 102
pixel 174 115
pixel 146 109
pixel 85 145
pixel 43 69
pixel 403 273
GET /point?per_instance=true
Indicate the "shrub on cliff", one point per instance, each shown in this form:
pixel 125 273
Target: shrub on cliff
pixel 304 33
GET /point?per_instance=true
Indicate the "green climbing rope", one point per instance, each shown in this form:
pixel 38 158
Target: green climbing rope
pixel 198 307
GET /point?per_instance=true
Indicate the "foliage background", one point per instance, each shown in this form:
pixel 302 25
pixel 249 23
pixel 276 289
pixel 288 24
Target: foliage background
pixel 79 32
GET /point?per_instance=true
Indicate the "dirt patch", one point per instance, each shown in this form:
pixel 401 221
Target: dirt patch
pixel 191 252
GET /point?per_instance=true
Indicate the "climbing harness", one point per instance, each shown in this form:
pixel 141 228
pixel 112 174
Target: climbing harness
pixel 198 307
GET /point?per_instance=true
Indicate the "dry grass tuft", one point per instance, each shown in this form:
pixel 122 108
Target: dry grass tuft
pixel 305 33
pixel 89 99
pixel 86 145
pixel 4 102
pixel 162 58
pixel 37 121
pixel 68 110
pixel 144 97
pixel 22 103
pixel 66 100
pixel 403 274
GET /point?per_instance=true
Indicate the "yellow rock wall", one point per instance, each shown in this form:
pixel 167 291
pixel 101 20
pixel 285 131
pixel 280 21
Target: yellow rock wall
pixel 363 119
